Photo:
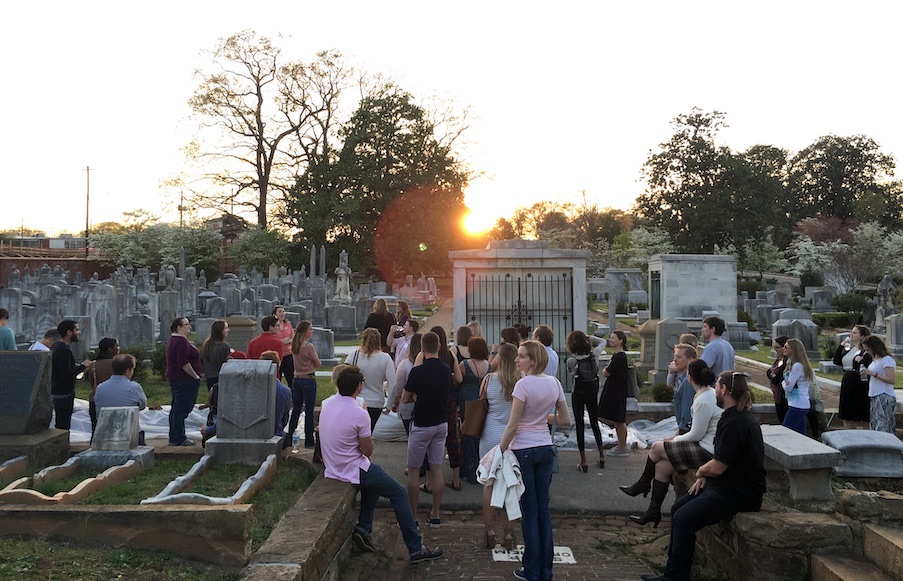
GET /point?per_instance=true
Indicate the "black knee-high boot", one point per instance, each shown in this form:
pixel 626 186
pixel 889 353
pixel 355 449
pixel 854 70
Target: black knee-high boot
pixel 642 485
pixel 654 512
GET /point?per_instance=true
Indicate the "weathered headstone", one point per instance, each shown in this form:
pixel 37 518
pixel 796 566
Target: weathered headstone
pixel 117 429
pixel 667 335
pixel 26 408
pixel 247 408
pixel 24 392
pixel 341 319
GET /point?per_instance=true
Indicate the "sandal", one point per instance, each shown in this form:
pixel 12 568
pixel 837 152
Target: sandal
pixel 451 484
pixel 509 539
pixel 490 539
pixel 423 488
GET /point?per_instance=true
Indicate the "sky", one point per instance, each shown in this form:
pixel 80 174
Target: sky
pixel 564 97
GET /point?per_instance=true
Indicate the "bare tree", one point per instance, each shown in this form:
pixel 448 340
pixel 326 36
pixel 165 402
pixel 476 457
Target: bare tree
pixel 262 121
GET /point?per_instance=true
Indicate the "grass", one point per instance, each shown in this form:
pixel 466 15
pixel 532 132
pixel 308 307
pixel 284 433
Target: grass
pixel 32 559
pixel 27 559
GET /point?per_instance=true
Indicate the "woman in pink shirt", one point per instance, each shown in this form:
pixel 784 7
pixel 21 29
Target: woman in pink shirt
pixel 285 334
pixel 527 434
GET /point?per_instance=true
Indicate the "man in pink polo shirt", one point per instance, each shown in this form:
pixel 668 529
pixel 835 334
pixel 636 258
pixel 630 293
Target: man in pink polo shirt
pixel 347 446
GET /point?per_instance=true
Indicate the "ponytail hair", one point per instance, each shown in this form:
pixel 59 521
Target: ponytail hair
pixel 736 383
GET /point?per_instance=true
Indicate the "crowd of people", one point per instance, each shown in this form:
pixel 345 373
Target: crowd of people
pixel 429 384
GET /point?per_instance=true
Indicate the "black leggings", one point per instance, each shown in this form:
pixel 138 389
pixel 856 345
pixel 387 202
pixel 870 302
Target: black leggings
pixel 590 400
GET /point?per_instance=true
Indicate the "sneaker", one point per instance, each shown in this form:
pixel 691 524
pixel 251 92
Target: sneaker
pixel 434 523
pixel 520 574
pixel 617 452
pixel 362 542
pixel 426 554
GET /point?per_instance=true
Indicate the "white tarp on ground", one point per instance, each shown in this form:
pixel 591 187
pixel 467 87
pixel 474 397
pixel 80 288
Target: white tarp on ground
pixel 640 433
pixel 155 423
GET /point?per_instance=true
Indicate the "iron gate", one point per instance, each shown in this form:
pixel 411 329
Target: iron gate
pixel 531 298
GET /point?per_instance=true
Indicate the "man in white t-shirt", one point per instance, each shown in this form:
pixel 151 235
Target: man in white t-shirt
pixel 50 337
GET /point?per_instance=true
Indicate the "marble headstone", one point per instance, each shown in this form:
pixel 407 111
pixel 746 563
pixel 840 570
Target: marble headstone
pixel 117 429
pixel 25 403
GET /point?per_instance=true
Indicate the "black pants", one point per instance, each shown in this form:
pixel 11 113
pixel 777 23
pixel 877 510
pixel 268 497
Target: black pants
pixel 590 401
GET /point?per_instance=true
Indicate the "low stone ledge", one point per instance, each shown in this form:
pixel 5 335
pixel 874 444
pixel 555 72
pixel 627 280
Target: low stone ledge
pixel 772 546
pixel 219 535
pixel 881 507
pixel 304 544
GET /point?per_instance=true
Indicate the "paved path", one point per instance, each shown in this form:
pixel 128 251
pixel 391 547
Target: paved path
pixel 589 517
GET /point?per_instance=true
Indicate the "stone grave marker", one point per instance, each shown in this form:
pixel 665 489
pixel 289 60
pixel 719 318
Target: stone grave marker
pixel 117 429
pixel 245 425
pixel 24 392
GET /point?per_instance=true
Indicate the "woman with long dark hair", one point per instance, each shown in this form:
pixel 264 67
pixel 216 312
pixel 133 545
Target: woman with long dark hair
pixel 775 375
pixel 683 452
pixel 613 402
pixel 214 352
pixel 305 362
pixel 473 370
pixel 854 391
pixel 797 383
pixel 183 370
pixel 882 375
pixel 585 395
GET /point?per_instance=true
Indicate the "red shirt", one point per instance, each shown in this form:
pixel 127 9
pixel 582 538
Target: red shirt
pixel 264 342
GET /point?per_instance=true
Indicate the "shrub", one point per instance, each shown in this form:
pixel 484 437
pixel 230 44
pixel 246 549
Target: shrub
pixel 827 346
pixel 662 393
pixel 831 320
pixel 743 317
pixel 142 372
pixel 158 359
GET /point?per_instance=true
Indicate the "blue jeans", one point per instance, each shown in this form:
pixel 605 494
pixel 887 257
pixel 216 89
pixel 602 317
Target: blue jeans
pixel 376 483
pixel 304 394
pixel 796 419
pixel 184 396
pixel 536 526
pixel 690 513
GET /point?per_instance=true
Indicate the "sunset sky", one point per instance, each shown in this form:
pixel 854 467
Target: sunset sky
pixel 564 97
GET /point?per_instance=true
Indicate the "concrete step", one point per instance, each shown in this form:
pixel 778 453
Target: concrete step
pixel 831 568
pixel 883 546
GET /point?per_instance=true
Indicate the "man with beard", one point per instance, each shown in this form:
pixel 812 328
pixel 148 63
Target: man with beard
pixel 64 372
pixel 733 481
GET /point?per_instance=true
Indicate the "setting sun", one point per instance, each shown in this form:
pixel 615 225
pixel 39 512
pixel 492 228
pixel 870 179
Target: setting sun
pixel 485 204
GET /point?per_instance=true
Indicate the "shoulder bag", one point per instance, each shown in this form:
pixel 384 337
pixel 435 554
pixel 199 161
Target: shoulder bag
pixel 475 411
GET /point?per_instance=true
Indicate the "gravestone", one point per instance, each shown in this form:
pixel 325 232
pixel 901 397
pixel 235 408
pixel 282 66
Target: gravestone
pixel 245 424
pixel 103 308
pixel 738 335
pixel 866 453
pixel 318 304
pixel 323 341
pixel 26 409
pixel 216 307
pixel 241 331
pixel 803 329
pixel 24 392
pixel 667 335
pixel 137 331
pixel 169 310
pixel 895 335
pixel 115 441
pixel 341 319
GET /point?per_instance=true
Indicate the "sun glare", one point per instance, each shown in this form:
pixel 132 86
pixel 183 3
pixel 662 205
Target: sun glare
pixel 485 204
pixel 477 223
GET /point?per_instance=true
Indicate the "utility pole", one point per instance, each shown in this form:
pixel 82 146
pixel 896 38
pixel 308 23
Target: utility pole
pixel 181 206
pixel 87 207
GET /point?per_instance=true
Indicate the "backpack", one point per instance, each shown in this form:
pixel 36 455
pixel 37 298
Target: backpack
pixel 586 376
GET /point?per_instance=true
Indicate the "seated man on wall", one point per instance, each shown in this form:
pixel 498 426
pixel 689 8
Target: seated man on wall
pixel 731 482
pixel 347 446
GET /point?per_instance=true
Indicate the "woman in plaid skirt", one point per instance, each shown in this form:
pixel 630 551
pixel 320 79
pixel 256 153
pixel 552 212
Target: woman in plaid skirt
pixel 683 452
